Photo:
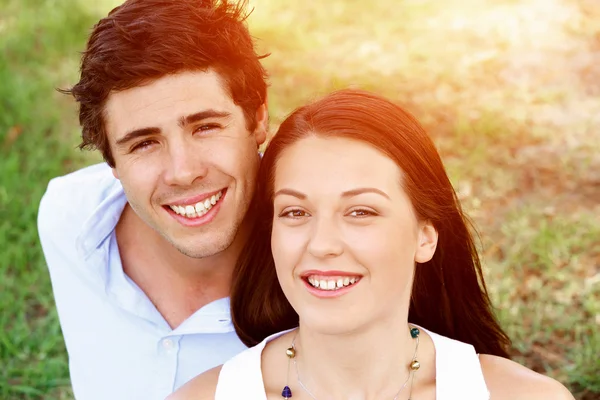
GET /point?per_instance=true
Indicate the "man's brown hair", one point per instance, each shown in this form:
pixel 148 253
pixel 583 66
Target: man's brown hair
pixel 144 40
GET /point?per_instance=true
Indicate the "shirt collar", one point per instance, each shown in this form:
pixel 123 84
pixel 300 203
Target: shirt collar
pixel 214 317
pixel 103 220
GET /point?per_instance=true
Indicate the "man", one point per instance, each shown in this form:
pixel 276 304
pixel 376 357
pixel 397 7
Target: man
pixel 141 249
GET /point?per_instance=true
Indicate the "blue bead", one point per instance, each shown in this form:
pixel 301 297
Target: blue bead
pixel 286 393
pixel 414 332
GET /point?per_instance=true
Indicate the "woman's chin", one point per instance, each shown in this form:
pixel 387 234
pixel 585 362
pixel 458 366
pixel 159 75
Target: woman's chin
pixel 330 325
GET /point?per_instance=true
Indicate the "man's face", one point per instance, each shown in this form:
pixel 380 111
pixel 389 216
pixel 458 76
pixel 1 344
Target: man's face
pixel 185 158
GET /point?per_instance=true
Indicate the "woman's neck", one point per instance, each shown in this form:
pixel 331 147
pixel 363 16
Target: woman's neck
pixel 366 364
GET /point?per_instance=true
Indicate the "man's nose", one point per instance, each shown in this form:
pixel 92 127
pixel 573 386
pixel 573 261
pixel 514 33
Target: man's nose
pixel 184 165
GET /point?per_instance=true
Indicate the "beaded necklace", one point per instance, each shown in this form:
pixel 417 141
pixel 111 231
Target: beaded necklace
pixel 414 365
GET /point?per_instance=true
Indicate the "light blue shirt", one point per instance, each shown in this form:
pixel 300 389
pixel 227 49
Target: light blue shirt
pixel 119 345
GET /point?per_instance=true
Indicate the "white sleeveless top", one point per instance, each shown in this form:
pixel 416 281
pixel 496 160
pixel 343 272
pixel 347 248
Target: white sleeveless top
pixel 458 372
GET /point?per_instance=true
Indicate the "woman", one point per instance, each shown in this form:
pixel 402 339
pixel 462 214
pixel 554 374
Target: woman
pixel 371 254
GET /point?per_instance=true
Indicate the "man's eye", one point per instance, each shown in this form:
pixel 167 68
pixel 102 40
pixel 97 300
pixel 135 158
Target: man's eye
pixel 142 145
pixel 207 127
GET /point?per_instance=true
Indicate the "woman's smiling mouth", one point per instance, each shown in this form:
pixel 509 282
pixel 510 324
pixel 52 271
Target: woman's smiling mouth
pixel 330 283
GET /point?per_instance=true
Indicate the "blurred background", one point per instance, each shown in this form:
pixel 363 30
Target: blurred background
pixel 509 90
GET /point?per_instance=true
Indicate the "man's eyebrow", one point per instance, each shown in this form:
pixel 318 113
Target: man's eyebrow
pixel 136 134
pixel 290 192
pixel 356 192
pixel 183 121
pixel 199 116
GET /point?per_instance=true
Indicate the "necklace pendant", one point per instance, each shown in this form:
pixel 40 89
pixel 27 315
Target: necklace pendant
pixel 414 332
pixel 286 393
pixel 415 365
pixel 291 352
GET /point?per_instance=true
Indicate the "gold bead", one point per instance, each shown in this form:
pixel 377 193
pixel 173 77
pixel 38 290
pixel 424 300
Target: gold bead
pixel 415 365
pixel 290 352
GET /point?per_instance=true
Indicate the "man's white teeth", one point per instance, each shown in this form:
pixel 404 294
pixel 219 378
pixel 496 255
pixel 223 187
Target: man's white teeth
pixel 198 209
pixel 332 284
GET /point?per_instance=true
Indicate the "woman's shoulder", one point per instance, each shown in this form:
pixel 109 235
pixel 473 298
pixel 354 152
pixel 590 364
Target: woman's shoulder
pixel 507 379
pixel 202 387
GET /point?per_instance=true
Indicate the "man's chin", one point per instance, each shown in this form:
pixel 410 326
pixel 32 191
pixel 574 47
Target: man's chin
pixel 203 249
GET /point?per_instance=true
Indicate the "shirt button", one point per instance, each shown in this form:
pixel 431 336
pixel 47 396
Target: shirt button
pixel 167 344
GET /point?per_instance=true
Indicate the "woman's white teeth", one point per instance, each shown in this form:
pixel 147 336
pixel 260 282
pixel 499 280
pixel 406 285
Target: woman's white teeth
pixel 199 209
pixel 332 284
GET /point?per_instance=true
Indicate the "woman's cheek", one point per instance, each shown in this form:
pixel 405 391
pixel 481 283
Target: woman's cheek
pixel 285 248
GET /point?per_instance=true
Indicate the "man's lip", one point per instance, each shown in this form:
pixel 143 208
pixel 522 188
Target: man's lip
pixel 317 272
pixel 188 201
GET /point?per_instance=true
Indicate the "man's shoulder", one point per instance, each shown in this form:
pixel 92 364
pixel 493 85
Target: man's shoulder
pixel 71 199
pixel 91 181
pixel 77 192
pixel 202 387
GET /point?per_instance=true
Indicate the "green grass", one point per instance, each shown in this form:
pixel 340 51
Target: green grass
pixel 38 43
pixel 513 115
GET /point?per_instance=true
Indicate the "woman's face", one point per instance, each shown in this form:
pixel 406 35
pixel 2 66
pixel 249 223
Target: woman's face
pixel 345 236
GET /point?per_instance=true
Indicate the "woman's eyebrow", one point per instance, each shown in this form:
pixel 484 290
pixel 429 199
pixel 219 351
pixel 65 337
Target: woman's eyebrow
pixel 356 192
pixel 348 193
pixel 290 192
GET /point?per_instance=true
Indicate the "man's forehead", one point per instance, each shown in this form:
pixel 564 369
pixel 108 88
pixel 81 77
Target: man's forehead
pixel 166 100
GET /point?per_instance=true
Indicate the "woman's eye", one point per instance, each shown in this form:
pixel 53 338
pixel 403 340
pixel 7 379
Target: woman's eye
pixel 293 214
pixel 361 213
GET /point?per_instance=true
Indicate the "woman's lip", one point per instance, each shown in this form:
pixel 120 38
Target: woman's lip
pixel 315 272
pixel 328 293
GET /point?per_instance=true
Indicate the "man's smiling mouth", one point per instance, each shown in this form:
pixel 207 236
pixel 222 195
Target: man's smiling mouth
pixel 198 209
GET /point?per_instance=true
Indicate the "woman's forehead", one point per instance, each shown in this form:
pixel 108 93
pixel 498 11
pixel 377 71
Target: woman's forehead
pixel 335 162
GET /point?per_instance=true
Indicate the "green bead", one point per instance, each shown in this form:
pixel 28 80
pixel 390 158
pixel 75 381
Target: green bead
pixel 414 332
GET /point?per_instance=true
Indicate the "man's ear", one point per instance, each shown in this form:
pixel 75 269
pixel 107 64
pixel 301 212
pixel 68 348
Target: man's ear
pixel 426 242
pixel 262 124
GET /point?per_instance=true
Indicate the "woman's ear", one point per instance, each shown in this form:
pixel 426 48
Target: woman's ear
pixel 426 242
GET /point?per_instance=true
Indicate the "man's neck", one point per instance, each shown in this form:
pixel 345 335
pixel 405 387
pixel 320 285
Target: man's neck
pixel 176 284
